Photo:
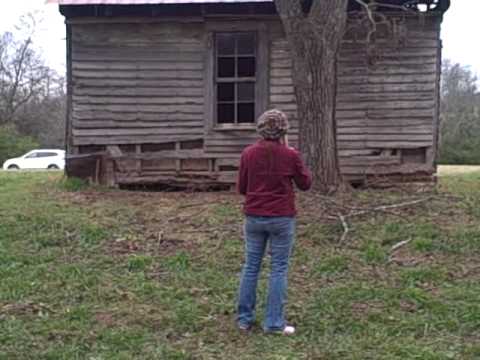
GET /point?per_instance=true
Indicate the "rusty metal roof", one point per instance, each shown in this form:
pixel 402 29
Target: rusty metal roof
pixel 135 2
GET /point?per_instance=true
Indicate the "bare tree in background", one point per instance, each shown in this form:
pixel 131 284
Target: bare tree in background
pixel 314 30
pixel 22 70
pixel 32 95
pixel 460 116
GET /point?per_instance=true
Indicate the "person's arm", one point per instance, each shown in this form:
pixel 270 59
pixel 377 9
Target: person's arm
pixel 302 176
pixel 242 180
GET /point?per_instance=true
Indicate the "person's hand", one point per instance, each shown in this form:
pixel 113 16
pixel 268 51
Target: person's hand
pixel 284 141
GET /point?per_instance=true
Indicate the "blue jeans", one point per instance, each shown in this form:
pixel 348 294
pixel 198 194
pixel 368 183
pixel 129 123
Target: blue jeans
pixel 280 232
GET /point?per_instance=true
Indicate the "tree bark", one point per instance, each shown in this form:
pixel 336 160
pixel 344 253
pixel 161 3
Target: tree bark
pixel 314 38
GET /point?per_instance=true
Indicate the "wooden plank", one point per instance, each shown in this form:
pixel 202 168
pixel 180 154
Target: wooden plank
pixel 121 47
pixel 391 79
pixel 364 97
pixel 140 74
pixel 138 91
pixel 233 136
pixel 366 161
pixel 107 132
pixel 384 123
pixel 386 137
pixel 223 150
pixel 160 45
pixel 384 88
pixel 126 100
pixel 167 154
pixel 387 170
pixel 386 105
pixel 399 113
pixel 109 30
pixel 136 116
pixel 364 90
pixel 281 90
pixel 168 179
pixel 183 57
pixel 132 139
pixel 134 83
pixel 387 130
pixel 137 65
pixel 283 81
pixel 208 86
pixel 178 162
pixel 396 144
pixel 69 145
pixel 356 152
pixel 114 124
pixel 158 109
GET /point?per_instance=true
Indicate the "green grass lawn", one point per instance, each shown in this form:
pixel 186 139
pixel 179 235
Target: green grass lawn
pixel 87 273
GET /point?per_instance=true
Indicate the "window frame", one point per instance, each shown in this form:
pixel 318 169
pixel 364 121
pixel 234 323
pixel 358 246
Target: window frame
pixel 261 74
pixel 235 79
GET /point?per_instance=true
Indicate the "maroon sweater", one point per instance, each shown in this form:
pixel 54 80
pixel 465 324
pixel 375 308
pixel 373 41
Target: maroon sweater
pixel 267 172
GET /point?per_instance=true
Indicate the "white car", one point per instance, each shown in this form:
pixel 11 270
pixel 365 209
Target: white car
pixel 37 159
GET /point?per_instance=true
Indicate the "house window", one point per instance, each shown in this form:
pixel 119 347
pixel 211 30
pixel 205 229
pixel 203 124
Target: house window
pixel 235 77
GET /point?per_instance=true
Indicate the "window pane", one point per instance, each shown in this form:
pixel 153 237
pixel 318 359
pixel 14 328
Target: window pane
pixel 246 113
pixel 246 67
pixel 225 113
pixel 46 154
pixel 245 44
pixel 226 44
pixel 226 67
pixel 246 91
pixel 226 92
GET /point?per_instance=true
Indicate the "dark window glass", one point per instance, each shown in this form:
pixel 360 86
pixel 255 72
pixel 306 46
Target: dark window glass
pixel 246 44
pixel 226 44
pixel 32 156
pixel 226 113
pixel 246 113
pixel 246 91
pixel 235 77
pixel 246 67
pixel 226 92
pixel 46 154
pixel 226 67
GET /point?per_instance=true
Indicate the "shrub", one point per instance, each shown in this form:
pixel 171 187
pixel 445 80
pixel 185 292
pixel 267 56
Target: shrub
pixel 12 144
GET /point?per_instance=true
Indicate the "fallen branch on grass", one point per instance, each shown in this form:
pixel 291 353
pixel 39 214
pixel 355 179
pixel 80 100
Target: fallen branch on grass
pixel 346 228
pixel 384 208
pixel 400 245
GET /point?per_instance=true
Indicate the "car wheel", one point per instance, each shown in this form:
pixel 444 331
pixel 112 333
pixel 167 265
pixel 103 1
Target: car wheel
pixel 13 167
pixel 53 167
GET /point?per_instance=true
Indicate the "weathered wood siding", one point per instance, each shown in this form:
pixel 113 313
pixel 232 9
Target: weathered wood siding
pixel 137 83
pixel 134 85
pixel 387 104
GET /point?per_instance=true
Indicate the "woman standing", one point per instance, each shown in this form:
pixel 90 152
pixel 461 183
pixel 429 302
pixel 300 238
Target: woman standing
pixel 267 172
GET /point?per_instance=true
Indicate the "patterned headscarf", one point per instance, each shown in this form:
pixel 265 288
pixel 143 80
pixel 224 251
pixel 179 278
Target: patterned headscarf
pixel 272 124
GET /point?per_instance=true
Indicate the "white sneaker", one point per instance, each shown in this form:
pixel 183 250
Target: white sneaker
pixel 289 330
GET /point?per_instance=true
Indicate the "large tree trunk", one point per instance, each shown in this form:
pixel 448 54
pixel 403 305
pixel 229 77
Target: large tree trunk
pixel 314 40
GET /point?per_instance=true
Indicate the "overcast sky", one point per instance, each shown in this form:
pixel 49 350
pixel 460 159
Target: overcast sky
pixel 460 30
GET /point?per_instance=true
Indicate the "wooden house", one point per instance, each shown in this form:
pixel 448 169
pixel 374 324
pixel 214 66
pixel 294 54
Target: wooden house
pixel 163 91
